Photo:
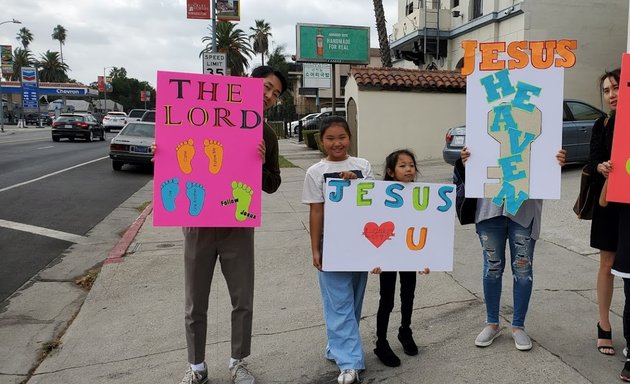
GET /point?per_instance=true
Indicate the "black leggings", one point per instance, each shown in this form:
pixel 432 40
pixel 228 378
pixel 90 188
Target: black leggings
pixel 386 303
pixel 626 312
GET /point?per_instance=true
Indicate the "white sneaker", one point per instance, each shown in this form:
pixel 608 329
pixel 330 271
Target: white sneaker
pixel 240 373
pixel 348 376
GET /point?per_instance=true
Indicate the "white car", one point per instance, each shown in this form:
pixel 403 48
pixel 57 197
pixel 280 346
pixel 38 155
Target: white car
pixel 135 115
pixel 114 120
pixel 293 126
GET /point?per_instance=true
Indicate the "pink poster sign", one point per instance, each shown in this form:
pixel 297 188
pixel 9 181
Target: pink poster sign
pixel 619 179
pixel 207 167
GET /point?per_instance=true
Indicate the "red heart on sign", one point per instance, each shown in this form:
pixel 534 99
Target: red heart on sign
pixel 377 234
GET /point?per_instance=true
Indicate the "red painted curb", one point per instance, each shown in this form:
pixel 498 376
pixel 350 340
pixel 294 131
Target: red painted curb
pixel 116 255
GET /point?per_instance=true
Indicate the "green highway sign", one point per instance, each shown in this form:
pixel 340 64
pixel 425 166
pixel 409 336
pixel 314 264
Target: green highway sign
pixel 332 44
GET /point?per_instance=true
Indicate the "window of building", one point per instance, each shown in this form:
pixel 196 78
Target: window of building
pixel 477 9
pixel 409 7
pixel 342 84
pixel 455 3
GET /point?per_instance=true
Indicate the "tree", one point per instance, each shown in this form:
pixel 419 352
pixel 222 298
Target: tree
pixel 260 36
pixel 285 109
pixel 381 28
pixel 21 58
pixel 126 91
pixel 59 33
pixel 233 42
pixel 117 73
pixel 51 69
pixel 25 37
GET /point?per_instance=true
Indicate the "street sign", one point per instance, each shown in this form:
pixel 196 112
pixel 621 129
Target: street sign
pixel 316 75
pixel 214 63
pixel 333 44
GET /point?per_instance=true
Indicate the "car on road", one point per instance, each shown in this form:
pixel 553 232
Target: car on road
pixel 578 118
pixel 114 120
pixel 315 121
pixel 34 118
pixel 77 126
pixel 132 145
pixel 293 126
pixel 149 116
pixel 135 115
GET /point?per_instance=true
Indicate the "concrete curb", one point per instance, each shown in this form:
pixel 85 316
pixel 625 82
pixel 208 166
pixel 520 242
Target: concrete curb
pixel 118 252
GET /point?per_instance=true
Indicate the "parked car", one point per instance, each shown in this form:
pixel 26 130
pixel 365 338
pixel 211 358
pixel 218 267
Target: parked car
pixel 135 115
pixel 149 116
pixel 34 118
pixel 314 122
pixel 293 126
pixel 77 125
pixel 132 145
pixel 578 119
pixel 114 120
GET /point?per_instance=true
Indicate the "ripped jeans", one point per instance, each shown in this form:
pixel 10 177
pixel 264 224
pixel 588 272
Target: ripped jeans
pixel 493 234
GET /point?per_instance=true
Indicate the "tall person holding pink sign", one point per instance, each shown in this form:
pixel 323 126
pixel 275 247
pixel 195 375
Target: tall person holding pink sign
pixel 208 179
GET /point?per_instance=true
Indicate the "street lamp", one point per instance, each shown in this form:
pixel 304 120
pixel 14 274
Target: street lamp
pixel 1 101
pixel 105 88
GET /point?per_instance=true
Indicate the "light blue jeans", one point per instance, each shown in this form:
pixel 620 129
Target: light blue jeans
pixel 342 299
pixel 493 234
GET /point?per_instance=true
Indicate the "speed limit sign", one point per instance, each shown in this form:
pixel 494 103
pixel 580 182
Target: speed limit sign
pixel 214 63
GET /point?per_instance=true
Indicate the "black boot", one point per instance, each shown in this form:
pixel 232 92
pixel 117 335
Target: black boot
pixel 385 354
pixel 409 345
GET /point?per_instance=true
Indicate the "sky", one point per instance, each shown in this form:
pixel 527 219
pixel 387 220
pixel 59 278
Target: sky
pixel 145 36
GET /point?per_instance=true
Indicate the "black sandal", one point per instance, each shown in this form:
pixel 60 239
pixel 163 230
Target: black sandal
pixel 604 335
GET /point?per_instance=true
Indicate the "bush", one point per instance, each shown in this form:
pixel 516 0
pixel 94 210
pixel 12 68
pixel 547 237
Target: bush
pixel 309 138
pixel 319 143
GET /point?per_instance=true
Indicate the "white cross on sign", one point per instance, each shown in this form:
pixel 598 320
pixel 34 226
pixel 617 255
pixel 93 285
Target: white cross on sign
pixel 214 63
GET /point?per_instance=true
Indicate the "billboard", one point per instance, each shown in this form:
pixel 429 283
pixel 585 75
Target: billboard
pixel 228 10
pixel 198 9
pixel 6 59
pixel 318 43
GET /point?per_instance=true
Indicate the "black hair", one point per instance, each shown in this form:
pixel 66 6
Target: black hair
pixel 264 71
pixel 392 159
pixel 327 122
pixel 615 74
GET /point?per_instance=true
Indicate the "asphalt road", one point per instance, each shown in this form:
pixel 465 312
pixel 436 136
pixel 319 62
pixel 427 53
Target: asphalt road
pixel 52 194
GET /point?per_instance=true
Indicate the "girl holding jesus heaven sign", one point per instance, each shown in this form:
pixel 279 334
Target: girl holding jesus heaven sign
pixel 342 292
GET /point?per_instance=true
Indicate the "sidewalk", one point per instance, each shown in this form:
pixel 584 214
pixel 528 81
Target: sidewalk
pixel 130 328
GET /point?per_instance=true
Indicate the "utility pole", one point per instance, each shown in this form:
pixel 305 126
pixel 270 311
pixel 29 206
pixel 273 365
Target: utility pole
pixel 213 12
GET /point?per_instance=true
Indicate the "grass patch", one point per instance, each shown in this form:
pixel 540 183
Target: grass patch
pixel 86 281
pixel 143 206
pixel 284 163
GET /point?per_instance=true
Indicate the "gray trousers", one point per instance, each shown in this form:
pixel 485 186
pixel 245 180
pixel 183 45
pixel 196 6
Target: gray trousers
pixel 234 248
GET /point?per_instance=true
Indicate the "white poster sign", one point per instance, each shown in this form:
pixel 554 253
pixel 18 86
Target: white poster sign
pixel 514 127
pixel 392 225
pixel 317 75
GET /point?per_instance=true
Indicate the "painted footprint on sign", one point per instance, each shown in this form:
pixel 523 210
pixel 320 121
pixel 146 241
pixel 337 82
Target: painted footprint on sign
pixel 243 196
pixel 185 153
pixel 378 234
pixel 196 195
pixel 214 151
pixel 169 190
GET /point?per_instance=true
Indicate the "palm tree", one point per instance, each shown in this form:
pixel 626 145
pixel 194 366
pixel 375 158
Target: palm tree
pixel 21 58
pixel 59 33
pixel 117 73
pixel 51 69
pixel 25 37
pixel 233 42
pixel 260 36
pixel 381 28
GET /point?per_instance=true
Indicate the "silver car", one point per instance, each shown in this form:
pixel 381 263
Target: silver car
pixel 132 145
pixel 578 118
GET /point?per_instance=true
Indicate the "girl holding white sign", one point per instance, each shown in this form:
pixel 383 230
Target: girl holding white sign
pixel 401 166
pixel 342 292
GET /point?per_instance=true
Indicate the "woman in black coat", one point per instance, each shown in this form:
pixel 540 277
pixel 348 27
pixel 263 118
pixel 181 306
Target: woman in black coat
pixel 605 219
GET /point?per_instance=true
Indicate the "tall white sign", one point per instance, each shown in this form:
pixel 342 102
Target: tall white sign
pixel 214 63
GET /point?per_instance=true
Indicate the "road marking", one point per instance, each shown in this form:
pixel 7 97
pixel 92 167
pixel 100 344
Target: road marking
pixel 53 174
pixel 77 239
pixel 50 146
